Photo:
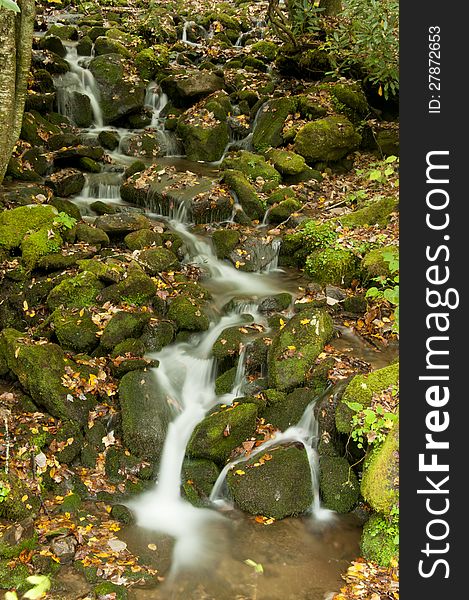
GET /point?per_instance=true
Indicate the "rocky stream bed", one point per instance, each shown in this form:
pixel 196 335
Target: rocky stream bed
pixel 192 374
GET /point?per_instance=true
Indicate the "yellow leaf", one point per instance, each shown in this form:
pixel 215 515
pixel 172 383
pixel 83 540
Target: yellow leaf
pixel 151 547
pixel 25 306
pixel 380 91
pixel 24 498
pixel 305 321
pixel 239 472
pixel 282 324
pixel 291 347
pixel 82 312
pixel 92 380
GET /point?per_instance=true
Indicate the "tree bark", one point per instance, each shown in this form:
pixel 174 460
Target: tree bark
pixel 16 35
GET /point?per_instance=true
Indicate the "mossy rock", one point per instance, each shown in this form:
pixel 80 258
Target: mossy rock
pixel 252 166
pixel 137 289
pixel 102 208
pixel 121 513
pixel 380 541
pixel 203 143
pixel 157 334
pixel 158 260
pixel 376 212
pixel 10 546
pixel 361 389
pixel 332 266
pixel 278 488
pixel 105 45
pixel 198 478
pixel 295 348
pixel 374 264
pixel 123 325
pixel 245 192
pixel 39 244
pixel 265 49
pixel 64 32
pixel 14 578
pixel 271 119
pixel 75 331
pixel 66 206
pixel 71 504
pixel 91 235
pixel 350 100
pixel 138 240
pixel 284 193
pixel 284 210
pixel 276 303
pixel 35 128
pixel 188 315
pixel 224 241
pixel 110 590
pixel 228 342
pixel 130 346
pixel 75 292
pixel 286 162
pixel 151 60
pixel 209 439
pixel 108 272
pixel 17 222
pixel 110 140
pixel 145 414
pixel 328 139
pixel 338 484
pixel 13 490
pixel 285 410
pixel 379 484
pixel 224 382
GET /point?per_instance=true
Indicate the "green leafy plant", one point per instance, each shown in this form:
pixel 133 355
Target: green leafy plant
pixel 318 235
pixel 64 221
pixel 10 5
pixel 367 35
pixel 4 491
pixel 370 425
pixel 380 171
pixel 387 288
pixel 294 18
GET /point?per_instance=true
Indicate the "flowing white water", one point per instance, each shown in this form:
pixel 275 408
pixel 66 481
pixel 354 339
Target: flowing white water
pixel 156 100
pixel 184 38
pixel 103 186
pixel 78 79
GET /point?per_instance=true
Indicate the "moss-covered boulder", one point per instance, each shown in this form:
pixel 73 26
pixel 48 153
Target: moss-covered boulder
pixel 145 414
pixel 121 90
pixel 151 60
pixel 224 382
pixel 338 484
pixel 380 481
pixel 123 325
pixel 13 490
pixel 110 590
pixel 122 223
pixel 296 346
pixel 229 341
pixel 253 166
pixel 246 193
pixel 138 240
pixel 66 206
pixel 286 162
pixel 187 88
pixel 137 289
pixel 66 182
pixel 105 45
pixel 157 334
pixel 40 369
pixel 64 32
pixel 270 122
pixel 275 484
pixel 158 260
pixel 75 292
pixel 361 389
pixel 225 241
pixel 380 540
pixel 75 330
pixel 332 266
pixel 264 49
pixel 376 262
pixel 18 537
pixel 38 244
pixel 188 314
pixel 204 141
pixel 327 139
pixel 216 436
pixel 16 223
pixel 282 211
pixel 198 478
pixel 285 410
pixel 375 212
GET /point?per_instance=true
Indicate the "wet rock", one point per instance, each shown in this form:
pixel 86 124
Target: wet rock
pixel 43 82
pixel 198 479
pixel 137 289
pixel 338 484
pixel 64 548
pixel 123 325
pixel 245 192
pixel 85 46
pixel 22 171
pixel 53 63
pixel 284 210
pixel 24 195
pixel 54 44
pixel 102 208
pixel 121 513
pixel 36 129
pixel 136 167
pixel 120 90
pixel 360 390
pixel 253 254
pixel 327 139
pixel 141 144
pixel 122 223
pixel 71 156
pixel 95 32
pixel 270 122
pixel 277 487
pixel 276 303
pixel 285 410
pixel 157 334
pixel 216 436
pixel 61 140
pixel 64 32
pixel 225 241
pixel 105 45
pixel 331 266
pixel 295 348
pixel 253 166
pixel 139 120
pixel 91 235
pixel 188 314
pixel 66 182
pixel 42 103
pixel 157 260
pixel 203 141
pixel 75 331
pixel 229 341
pixel 185 90
pixel 75 292
pixel 108 139
pixel 143 238
pixel 145 414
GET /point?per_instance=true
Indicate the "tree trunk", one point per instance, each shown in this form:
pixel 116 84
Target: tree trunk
pixel 16 34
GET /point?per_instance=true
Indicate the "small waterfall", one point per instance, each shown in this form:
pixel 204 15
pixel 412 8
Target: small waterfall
pixel 273 265
pixel 103 186
pixel 184 39
pixel 156 100
pixel 78 80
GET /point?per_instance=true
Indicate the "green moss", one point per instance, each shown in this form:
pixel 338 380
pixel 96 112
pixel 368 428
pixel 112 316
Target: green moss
pixel 332 266
pixel 157 334
pixel 105 45
pixel 286 162
pixel 280 195
pixel 270 122
pixel 224 383
pixel 71 504
pixel 209 439
pixel 188 315
pixel 224 241
pixel 16 223
pixel 296 347
pixel 245 193
pixel 91 235
pixel 379 484
pixel 380 540
pixel 75 331
pixel 265 49
pixel 374 264
pixel 131 346
pixel 138 240
pixel 137 289
pixel 8 550
pixel 158 260
pixel 283 210
pixel 201 142
pixel 376 212
pixel 338 484
pixel 276 488
pixel 123 325
pixel 38 244
pixel 252 166
pixel 284 410
pixel 327 139
pixel 13 578
pixel 198 477
pixel 12 505
pixel 361 389
pixel 75 292
pixel 108 589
